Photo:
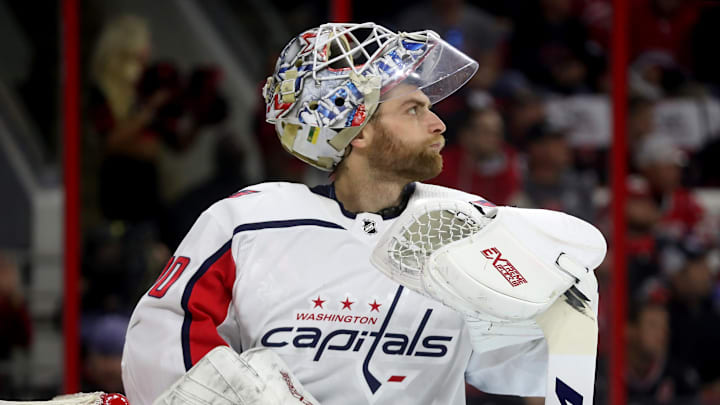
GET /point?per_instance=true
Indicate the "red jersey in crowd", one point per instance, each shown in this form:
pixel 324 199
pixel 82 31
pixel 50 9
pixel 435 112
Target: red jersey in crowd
pixel 497 180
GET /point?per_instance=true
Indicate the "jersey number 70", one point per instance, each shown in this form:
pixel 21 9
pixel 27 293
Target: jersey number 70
pixel 172 271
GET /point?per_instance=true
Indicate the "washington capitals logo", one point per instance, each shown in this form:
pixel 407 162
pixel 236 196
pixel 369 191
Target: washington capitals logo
pixel 417 343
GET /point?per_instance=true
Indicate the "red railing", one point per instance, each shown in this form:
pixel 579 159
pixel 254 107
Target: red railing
pixel 71 178
pixel 619 54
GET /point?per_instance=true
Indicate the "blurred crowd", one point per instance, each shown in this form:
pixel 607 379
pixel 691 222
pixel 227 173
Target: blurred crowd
pixel 136 110
pixel 531 129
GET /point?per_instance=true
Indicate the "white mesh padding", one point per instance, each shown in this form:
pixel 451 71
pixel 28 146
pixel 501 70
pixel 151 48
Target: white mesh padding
pixel 424 227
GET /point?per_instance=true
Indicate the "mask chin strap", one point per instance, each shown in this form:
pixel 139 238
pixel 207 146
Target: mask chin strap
pixel 370 87
pixel 287 139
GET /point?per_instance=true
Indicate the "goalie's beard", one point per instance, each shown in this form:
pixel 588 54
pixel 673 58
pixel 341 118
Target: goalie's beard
pixel 394 159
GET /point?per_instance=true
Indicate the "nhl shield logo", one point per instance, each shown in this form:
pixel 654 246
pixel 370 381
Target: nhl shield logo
pixel 369 226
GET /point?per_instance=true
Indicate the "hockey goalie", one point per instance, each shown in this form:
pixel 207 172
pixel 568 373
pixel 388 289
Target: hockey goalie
pixel 376 288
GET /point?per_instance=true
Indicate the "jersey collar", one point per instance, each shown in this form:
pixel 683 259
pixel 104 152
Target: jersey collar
pixel 328 191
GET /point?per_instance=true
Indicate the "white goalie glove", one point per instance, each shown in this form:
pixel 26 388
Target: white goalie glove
pixel 224 377
pixel 496 263
pixel 505 268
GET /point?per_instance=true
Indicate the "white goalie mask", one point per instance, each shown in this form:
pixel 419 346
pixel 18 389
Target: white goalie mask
pixel 329 80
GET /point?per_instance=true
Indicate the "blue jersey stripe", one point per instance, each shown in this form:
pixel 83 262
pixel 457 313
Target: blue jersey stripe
pixel 185 337
pixel 285 224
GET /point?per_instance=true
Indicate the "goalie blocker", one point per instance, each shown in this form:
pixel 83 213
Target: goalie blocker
pixel 504 268
pixel 224 377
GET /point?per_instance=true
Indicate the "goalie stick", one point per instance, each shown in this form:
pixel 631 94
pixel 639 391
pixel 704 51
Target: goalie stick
pixel 571 331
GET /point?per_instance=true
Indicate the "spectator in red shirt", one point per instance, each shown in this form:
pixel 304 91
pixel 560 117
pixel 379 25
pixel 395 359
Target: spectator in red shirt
pixel 136 109
pixel 127 183
pixel 663 25
pixel 661 163
pixel 482 162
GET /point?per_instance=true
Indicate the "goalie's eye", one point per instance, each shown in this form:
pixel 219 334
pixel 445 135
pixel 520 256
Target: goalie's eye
pixel 413 110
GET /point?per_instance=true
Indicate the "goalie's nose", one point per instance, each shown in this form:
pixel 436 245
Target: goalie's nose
pixel 435 124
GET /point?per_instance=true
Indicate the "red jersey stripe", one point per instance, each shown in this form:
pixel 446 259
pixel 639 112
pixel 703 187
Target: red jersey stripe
pixel 206 301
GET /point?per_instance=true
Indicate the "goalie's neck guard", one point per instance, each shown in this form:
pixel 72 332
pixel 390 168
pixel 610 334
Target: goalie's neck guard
pixel 328 191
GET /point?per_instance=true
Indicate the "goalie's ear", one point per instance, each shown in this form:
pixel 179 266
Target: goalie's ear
pixel 364 137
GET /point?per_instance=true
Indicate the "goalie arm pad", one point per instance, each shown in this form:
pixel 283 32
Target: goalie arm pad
pixel 224 377
pixel 516 266
pixel 499 263
pixel 504 269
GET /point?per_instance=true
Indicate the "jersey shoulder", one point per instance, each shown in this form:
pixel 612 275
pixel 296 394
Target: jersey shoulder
pixel 263 202
pixel 423 190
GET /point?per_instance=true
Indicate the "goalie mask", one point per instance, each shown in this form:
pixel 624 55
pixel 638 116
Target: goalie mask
pixel 329 80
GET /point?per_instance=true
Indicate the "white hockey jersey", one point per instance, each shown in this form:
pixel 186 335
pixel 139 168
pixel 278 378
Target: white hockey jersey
pixel 283 266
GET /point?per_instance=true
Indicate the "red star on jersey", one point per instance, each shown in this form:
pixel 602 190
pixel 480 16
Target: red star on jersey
pixel 375 306
pixel 318 302
pixel 346 303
